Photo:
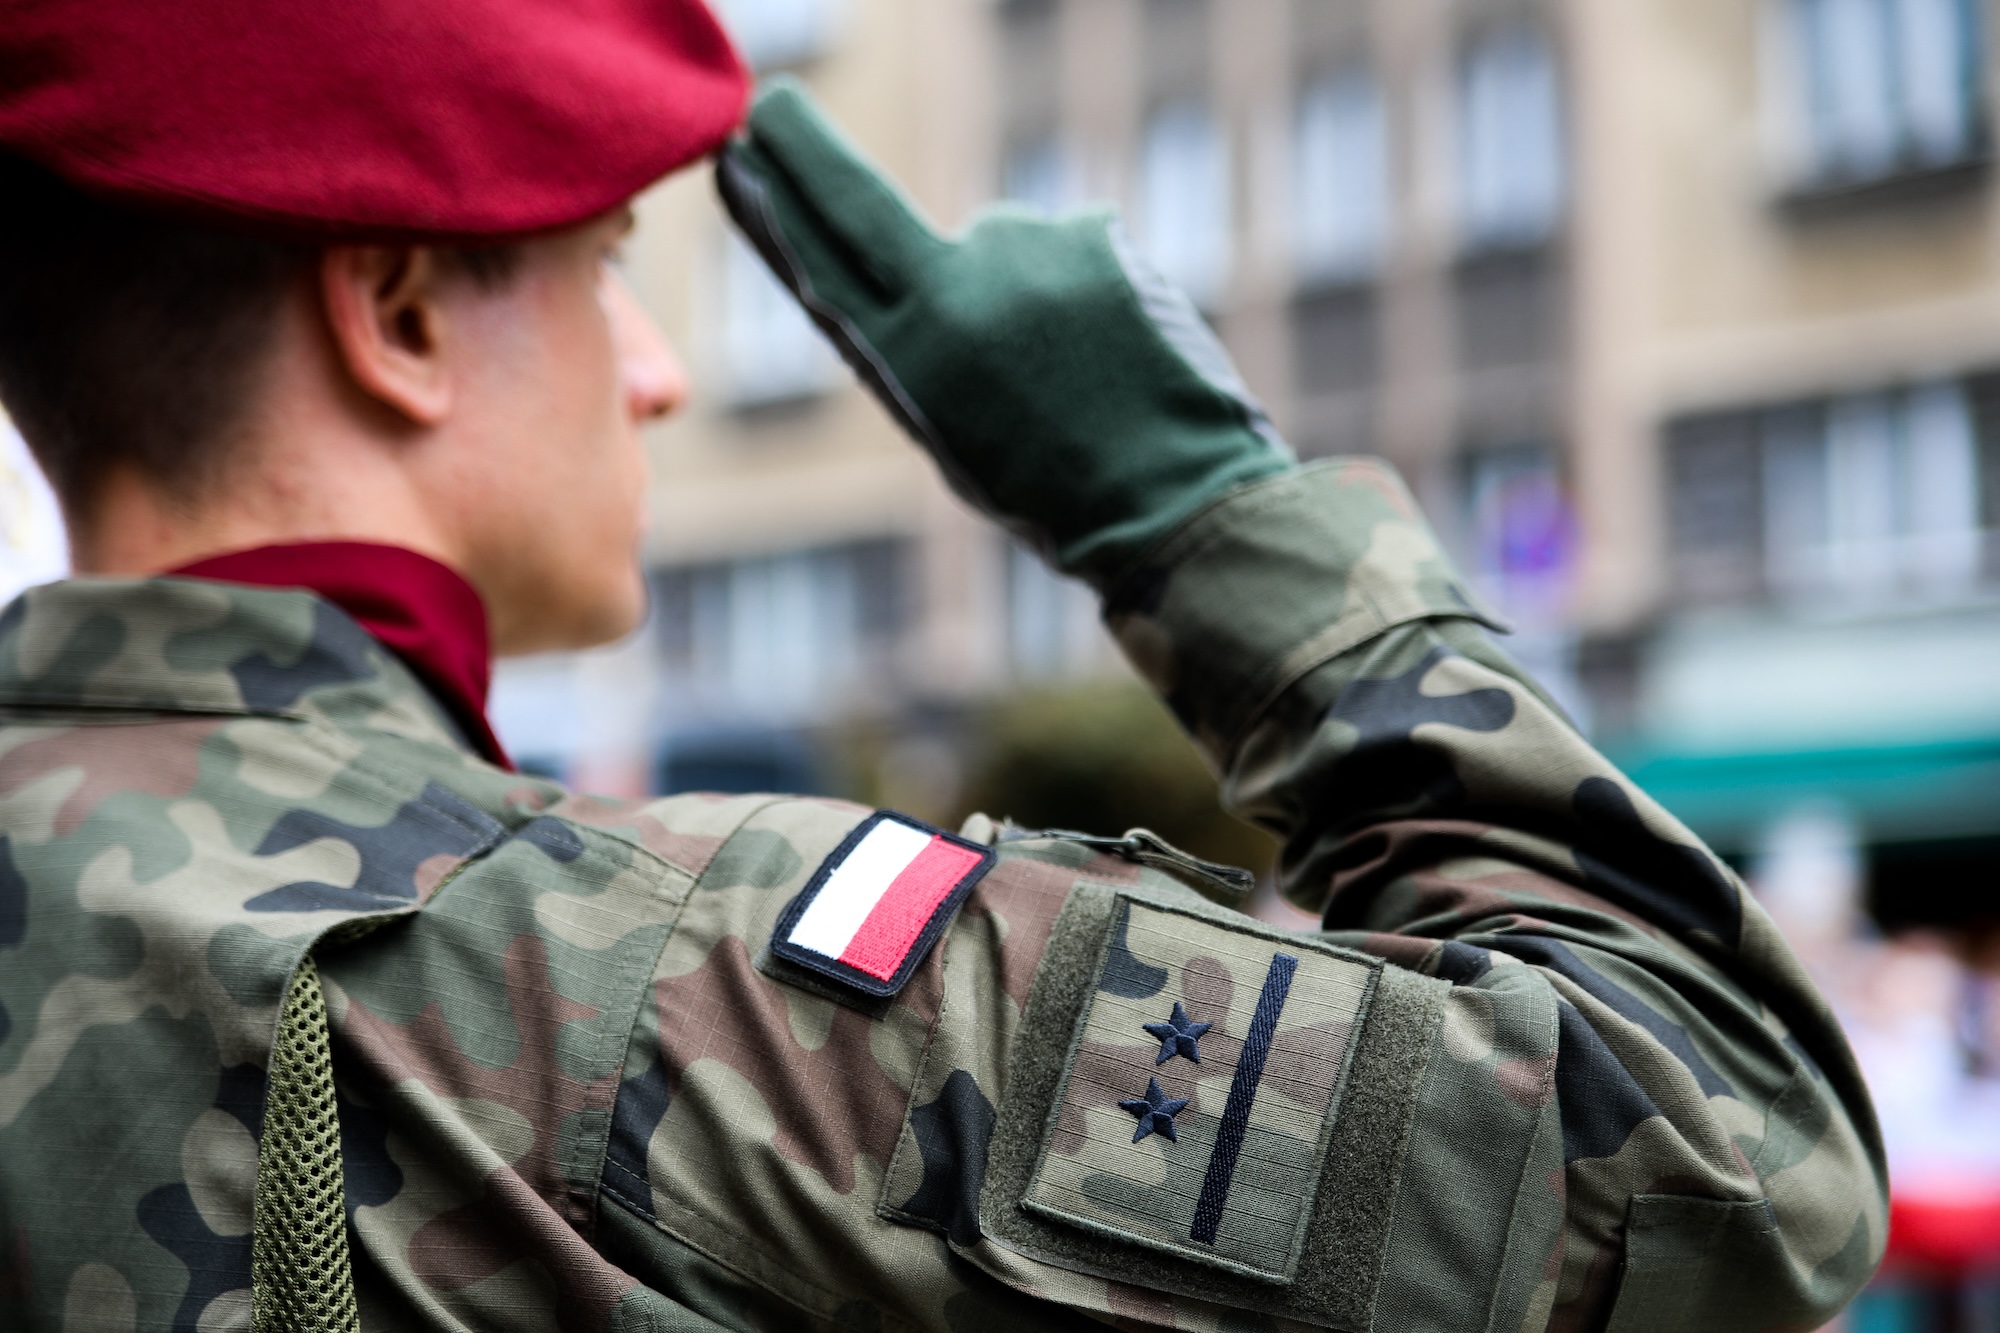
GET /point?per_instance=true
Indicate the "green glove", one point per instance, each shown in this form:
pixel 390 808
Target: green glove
pixel 1064 387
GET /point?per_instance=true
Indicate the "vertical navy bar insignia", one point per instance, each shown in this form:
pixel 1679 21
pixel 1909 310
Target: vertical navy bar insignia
pixel 1194 1118
pixel 1221 1173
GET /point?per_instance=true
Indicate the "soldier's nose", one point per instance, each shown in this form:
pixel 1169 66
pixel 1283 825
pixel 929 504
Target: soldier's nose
pixel 654 381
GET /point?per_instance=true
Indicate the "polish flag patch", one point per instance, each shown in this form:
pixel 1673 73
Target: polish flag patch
pixel 873 909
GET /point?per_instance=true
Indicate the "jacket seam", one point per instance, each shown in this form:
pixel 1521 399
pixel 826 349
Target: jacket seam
pixel 1550 1108
pixel 644 984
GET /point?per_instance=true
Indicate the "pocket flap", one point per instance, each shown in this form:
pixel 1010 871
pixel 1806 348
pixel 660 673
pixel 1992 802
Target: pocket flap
pixel 1200 1089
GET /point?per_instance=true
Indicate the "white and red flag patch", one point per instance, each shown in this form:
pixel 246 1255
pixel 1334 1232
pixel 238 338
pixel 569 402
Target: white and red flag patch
pixel 874 908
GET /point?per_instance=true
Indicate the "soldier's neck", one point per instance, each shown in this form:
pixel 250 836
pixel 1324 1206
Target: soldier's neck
pixel 135 529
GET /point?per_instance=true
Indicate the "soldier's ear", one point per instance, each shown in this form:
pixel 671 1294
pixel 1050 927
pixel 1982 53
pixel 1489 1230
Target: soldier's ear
pixel 388 324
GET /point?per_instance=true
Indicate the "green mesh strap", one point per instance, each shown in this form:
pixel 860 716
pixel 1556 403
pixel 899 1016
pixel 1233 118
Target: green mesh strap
pixel 300 1274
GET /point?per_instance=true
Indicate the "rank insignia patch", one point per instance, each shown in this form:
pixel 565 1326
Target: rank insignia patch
pixel 1230 1059
pixel 871 912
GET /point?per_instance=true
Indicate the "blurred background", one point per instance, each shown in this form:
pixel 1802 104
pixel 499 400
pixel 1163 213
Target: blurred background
pixel 1681 316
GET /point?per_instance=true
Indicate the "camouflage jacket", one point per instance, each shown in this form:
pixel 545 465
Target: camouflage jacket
pixel 1548 1065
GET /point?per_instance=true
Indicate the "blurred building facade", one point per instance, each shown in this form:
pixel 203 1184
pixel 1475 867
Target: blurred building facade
pixel 1682 316
pixel 1784 430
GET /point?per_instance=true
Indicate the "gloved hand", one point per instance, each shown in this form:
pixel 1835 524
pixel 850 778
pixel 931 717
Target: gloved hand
pixel 1064 387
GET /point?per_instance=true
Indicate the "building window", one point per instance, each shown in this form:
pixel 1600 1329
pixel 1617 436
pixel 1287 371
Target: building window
pixel 1512 169
pixel 1510 308
pixel 1861 500
pixel 1340 173
pixel 1033 171
pixel 1184 199
pixel 1874 496
pixel 537 713
pixel 788 638
pixel 772 352
pixel 1716 489
pixel 1886 86
pixel 775 33
pixel 1052 625
pixel 1336 340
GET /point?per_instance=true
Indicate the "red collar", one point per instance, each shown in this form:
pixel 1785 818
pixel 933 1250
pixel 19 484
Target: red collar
pixel 422 611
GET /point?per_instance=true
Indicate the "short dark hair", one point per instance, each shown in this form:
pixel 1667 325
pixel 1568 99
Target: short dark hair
pixel 134 339
pixel 127 338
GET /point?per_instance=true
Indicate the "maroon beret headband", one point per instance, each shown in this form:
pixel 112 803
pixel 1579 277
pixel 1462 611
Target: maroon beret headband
pixel 378 119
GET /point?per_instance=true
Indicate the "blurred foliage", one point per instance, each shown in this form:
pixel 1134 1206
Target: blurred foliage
pixel 1103 758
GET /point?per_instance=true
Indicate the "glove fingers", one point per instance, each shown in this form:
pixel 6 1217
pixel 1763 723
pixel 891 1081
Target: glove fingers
pixel 803 256
pixel 793 241
pixel 881 232
pixel 801 252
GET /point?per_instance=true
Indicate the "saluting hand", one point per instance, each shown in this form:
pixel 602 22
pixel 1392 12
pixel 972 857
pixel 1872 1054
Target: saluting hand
pixel 1062 384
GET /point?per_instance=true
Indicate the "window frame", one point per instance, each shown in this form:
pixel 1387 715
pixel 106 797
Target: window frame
pixel 1205 278
pixel 1368 248
pixel 1536 226
pixel 1807 178
pixel 1788 541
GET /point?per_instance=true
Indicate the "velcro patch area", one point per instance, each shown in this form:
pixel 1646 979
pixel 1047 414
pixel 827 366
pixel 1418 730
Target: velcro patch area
pixel 875 907
pixel 1201 1088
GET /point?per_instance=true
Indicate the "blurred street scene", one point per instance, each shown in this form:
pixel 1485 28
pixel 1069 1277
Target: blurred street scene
pixel 1682 317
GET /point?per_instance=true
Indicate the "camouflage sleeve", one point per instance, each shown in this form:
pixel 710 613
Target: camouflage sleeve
pixel 1548 1066
pixel 1718 1164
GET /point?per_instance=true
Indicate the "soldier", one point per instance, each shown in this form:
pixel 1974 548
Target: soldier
pixel 316 1016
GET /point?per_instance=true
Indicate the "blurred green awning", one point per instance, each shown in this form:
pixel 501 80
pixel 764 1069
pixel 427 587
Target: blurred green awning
pixel 1896 793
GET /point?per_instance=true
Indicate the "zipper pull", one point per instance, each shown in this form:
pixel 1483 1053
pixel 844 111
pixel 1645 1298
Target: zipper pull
pixel 1227 885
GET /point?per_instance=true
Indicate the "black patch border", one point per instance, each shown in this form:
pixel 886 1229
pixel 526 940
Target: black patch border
pixel 853 977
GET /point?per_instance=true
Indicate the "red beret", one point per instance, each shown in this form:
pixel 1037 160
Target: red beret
pixel 367 118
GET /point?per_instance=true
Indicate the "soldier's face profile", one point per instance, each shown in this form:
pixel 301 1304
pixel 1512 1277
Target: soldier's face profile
pixel 558 371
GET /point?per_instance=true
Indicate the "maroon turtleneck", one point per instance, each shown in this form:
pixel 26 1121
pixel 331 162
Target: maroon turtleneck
pixel 422 611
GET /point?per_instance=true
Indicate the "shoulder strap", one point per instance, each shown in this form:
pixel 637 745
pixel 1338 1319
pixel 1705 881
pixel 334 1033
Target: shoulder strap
pixel 301 1276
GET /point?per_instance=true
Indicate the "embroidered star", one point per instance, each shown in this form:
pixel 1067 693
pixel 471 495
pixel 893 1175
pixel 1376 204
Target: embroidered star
pixel 1156 1112
pixel 1178 1036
